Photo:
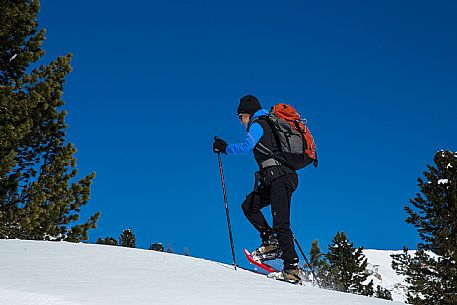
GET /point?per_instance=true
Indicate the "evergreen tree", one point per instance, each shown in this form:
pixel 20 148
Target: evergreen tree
pixel 37 199
pixel 346 269
pixel 127 239
pixel 316 260
pixel 107 241
pixel 186 251
pixel 432 271
pixel 169 249
pixel 156 247
pixel 382 293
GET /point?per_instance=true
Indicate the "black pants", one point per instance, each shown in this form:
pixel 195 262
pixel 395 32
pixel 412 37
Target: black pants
pixel 279 195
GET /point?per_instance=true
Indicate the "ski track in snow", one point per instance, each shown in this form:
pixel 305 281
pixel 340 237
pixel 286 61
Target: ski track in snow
pixel 59 273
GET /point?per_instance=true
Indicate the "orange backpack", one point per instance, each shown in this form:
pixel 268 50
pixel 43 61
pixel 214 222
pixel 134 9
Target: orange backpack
pixel 295 140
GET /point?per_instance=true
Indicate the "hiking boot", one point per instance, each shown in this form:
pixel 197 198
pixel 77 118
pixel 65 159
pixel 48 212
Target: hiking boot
pixel 290 275
pixel 268 250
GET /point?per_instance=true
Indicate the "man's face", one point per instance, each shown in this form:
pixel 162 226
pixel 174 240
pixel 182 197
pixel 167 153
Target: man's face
pixel 244 118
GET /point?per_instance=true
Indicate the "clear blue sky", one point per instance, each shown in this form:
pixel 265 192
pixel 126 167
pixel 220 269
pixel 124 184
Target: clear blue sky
pixel 155 81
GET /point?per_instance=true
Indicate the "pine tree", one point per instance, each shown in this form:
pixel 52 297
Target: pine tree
pixel 186 251
pixel 316 260
pixel 110 241
pixel 37 198
pixel 346 269
pixel 383 293
pixel 432 271
pixel 156 247
pixel 169 249
pixel 127 239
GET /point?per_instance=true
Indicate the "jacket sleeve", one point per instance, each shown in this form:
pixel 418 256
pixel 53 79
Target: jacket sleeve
pixel 253 137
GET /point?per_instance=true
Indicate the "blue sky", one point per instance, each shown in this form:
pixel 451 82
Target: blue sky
pixel 155 81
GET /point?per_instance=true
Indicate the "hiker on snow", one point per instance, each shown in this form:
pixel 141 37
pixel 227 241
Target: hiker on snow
pixel 275 183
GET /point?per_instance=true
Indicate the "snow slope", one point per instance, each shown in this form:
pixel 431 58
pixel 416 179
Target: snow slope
pixel 379 264
pixel 57 273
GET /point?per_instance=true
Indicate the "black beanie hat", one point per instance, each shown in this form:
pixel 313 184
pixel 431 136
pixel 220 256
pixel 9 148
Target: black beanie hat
pixel 249 104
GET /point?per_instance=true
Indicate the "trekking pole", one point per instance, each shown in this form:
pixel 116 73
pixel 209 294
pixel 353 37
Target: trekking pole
pixel 226 209
pixel 307 262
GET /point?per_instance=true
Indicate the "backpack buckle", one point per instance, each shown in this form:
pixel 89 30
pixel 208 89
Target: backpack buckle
pixel 269 162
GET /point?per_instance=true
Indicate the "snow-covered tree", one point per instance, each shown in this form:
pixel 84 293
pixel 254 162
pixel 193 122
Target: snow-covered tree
pixel 432 271
pixel 383 293
pixel 127 239
pixel 346 269
pixel 110 241
pixel 156 247
pixel 38 197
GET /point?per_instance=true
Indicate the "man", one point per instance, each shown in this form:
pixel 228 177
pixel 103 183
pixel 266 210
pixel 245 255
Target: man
pixel 274 185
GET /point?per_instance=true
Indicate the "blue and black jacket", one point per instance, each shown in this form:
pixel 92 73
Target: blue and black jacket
pixel 262 141
pixel 254 134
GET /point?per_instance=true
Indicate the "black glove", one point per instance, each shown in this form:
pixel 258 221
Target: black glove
pixel 219 145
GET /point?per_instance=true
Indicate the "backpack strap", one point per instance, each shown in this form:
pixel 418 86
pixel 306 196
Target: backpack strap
pixel 273 130
pixel 263 149
pixel 260 147
pixel 253 121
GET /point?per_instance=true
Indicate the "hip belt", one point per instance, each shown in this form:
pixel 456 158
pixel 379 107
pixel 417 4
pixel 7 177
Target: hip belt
pixel 268 163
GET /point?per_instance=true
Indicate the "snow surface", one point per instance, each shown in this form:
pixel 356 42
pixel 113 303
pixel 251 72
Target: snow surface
pixel 58 273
